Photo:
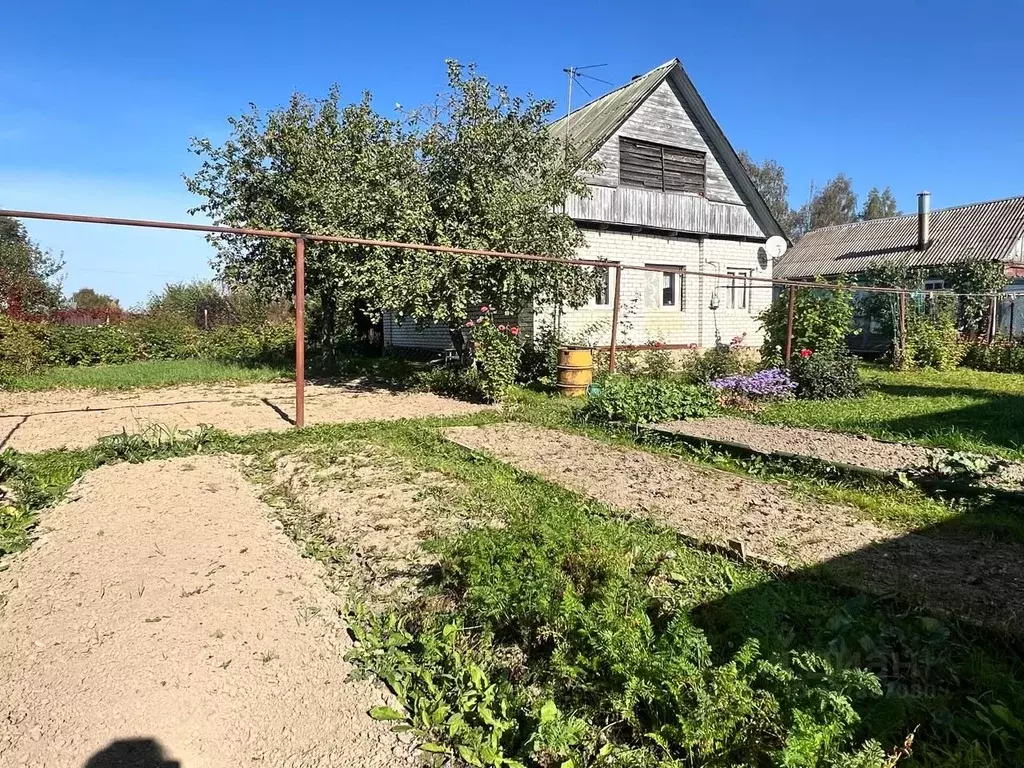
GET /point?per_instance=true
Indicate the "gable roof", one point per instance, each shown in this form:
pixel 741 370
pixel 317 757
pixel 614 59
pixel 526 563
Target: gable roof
pixel 989 231
pixel 593 124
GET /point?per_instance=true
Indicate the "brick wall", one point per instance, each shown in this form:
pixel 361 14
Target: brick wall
pixel 644 319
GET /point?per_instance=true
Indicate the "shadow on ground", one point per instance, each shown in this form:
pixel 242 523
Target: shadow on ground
pixel 132 753
pixel 991 417
pixel 947 646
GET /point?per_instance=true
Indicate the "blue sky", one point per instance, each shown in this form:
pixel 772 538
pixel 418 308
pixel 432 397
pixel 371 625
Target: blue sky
pixel 98 100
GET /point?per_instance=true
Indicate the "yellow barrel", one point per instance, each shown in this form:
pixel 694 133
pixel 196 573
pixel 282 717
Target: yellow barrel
pixel 575 371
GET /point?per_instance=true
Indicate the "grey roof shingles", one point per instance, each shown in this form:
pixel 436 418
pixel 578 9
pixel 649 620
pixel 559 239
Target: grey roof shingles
pixel 989 231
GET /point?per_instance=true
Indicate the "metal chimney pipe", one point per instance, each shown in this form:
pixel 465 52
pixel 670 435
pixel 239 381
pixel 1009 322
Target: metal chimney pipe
pixel 923 220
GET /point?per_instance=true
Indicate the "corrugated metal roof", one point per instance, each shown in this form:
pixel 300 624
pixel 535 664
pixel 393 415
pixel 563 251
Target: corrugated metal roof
pixel 990 231
pixel 593 124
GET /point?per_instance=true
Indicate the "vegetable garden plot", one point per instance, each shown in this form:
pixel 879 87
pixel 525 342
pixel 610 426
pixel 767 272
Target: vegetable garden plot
pixel 162 604
pixel 980 580
pixel 837 447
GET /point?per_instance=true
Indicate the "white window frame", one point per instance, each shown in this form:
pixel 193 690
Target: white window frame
pixel 738 277
pixel 677 274
pixel 934 284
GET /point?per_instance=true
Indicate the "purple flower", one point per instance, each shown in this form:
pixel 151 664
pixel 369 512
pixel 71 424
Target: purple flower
pixel 769 383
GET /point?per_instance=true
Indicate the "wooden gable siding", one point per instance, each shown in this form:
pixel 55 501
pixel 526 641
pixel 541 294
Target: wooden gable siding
pixel 629 206
pixel 663 119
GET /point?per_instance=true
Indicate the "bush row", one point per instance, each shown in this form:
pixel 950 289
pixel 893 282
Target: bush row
pixel 28 346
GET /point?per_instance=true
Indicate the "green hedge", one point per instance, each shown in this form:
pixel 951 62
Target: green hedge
pixel 26 347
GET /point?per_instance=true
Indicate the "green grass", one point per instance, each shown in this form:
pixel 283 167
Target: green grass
pixel 961 410
pixel 146 373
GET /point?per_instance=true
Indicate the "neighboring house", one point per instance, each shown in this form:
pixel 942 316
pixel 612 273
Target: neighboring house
pixel 991 231
pixel 671 192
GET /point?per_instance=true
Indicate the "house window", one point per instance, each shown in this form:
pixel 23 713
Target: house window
pixel 737 288
pixel 672 283
pixel 668 289
pixel 935 284
pixel 602 296
pixel 660 168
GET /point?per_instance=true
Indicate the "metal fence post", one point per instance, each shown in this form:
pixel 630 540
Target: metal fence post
pixel 615 319
pixel 992 320
pixel 790 314
pixel 901 348
pixel 300 332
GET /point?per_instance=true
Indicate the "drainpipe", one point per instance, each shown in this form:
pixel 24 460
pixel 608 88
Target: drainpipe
pixel 700 293
pixel 923 220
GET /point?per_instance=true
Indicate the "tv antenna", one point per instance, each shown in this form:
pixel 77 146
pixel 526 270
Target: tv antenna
pixel 574 74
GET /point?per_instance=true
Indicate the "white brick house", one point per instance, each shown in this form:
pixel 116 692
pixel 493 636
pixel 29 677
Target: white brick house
pixel 671 192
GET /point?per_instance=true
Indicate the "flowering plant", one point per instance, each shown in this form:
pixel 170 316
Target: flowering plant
pixel 496 351
pixel 763 385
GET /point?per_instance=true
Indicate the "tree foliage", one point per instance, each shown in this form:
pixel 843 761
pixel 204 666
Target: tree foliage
pixel 477 170
pixel 770 179
pixel 822 320
pixel 835 203
pixel 88 298
pixel 878 205
pixel 29 275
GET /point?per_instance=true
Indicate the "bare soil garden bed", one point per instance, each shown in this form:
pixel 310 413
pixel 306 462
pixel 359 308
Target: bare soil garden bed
pixel 37 421
pixel 980 580
pixel 164 612
pixel 832 447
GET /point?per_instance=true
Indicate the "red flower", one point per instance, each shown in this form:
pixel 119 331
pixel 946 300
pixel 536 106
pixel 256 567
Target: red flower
pixel 501 327
pixel 514 330
pixel 484 310
pixel 659 343
pixel 469 323
pixel 805 353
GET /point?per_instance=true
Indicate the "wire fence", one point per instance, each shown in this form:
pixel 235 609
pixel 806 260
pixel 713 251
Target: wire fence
pixel 727 301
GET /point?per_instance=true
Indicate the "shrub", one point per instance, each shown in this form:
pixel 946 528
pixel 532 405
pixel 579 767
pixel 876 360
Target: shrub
pixel 643 400
pixel 933 342
pixel 460 383
pixel 717 363
pixel 27 346
pixel 825 375
pixel 1003 355
pixel 658 362
pixel 20 349
pixel 769 384
pixel 822 320
pixel 496 350
pixel 539 358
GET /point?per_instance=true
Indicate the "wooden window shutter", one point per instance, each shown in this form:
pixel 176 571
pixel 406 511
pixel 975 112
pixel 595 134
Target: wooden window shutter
pixel 661 168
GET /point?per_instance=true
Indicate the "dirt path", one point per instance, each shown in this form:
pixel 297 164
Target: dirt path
pixel 37 421
pixel 857 450
pixel 163 607
pixel 979 580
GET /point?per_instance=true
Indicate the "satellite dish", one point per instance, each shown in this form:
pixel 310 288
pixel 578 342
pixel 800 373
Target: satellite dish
pixel 775 246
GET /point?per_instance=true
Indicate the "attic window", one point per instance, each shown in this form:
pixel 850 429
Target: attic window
pixel 660 168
